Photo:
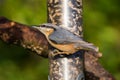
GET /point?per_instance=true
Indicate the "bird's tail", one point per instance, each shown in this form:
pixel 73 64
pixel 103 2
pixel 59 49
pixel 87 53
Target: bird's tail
pixel 87 46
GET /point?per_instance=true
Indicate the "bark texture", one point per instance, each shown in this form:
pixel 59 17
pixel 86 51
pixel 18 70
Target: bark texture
pixel 15 33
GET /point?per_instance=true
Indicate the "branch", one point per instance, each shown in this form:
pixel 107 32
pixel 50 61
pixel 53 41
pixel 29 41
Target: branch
pixel 23 35
pixel 30 38
pixel 93 69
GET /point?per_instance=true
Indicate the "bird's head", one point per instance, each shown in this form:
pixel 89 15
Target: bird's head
pixel 46 29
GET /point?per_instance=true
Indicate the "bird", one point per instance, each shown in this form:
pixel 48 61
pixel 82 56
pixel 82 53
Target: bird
pixel 63 39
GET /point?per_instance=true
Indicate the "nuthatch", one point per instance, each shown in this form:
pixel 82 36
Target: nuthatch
pixel 63 39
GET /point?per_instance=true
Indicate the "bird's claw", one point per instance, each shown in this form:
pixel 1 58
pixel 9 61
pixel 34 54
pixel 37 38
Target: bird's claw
pixel 56 52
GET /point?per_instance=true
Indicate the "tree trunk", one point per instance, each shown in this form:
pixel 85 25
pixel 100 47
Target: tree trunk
pixel 67 14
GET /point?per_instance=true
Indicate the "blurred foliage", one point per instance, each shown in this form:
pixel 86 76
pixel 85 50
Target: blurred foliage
pixel 101 26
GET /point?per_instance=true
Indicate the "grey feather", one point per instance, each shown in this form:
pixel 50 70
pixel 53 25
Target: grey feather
pixel 61 35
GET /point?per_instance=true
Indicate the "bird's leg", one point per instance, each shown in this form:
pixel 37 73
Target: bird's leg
pixel 57 52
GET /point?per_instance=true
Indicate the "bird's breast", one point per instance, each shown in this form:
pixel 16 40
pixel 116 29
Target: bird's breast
pixel 67 48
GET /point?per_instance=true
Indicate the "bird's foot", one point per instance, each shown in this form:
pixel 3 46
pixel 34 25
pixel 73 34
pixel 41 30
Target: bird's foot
pixel 56 52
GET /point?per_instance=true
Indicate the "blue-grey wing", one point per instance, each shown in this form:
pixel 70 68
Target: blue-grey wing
pixel 64 36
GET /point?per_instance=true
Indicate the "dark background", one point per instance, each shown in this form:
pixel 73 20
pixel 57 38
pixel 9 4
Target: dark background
pixel 101 25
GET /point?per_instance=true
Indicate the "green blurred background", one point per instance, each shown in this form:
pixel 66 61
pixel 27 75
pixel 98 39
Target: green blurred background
pixel 101 26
